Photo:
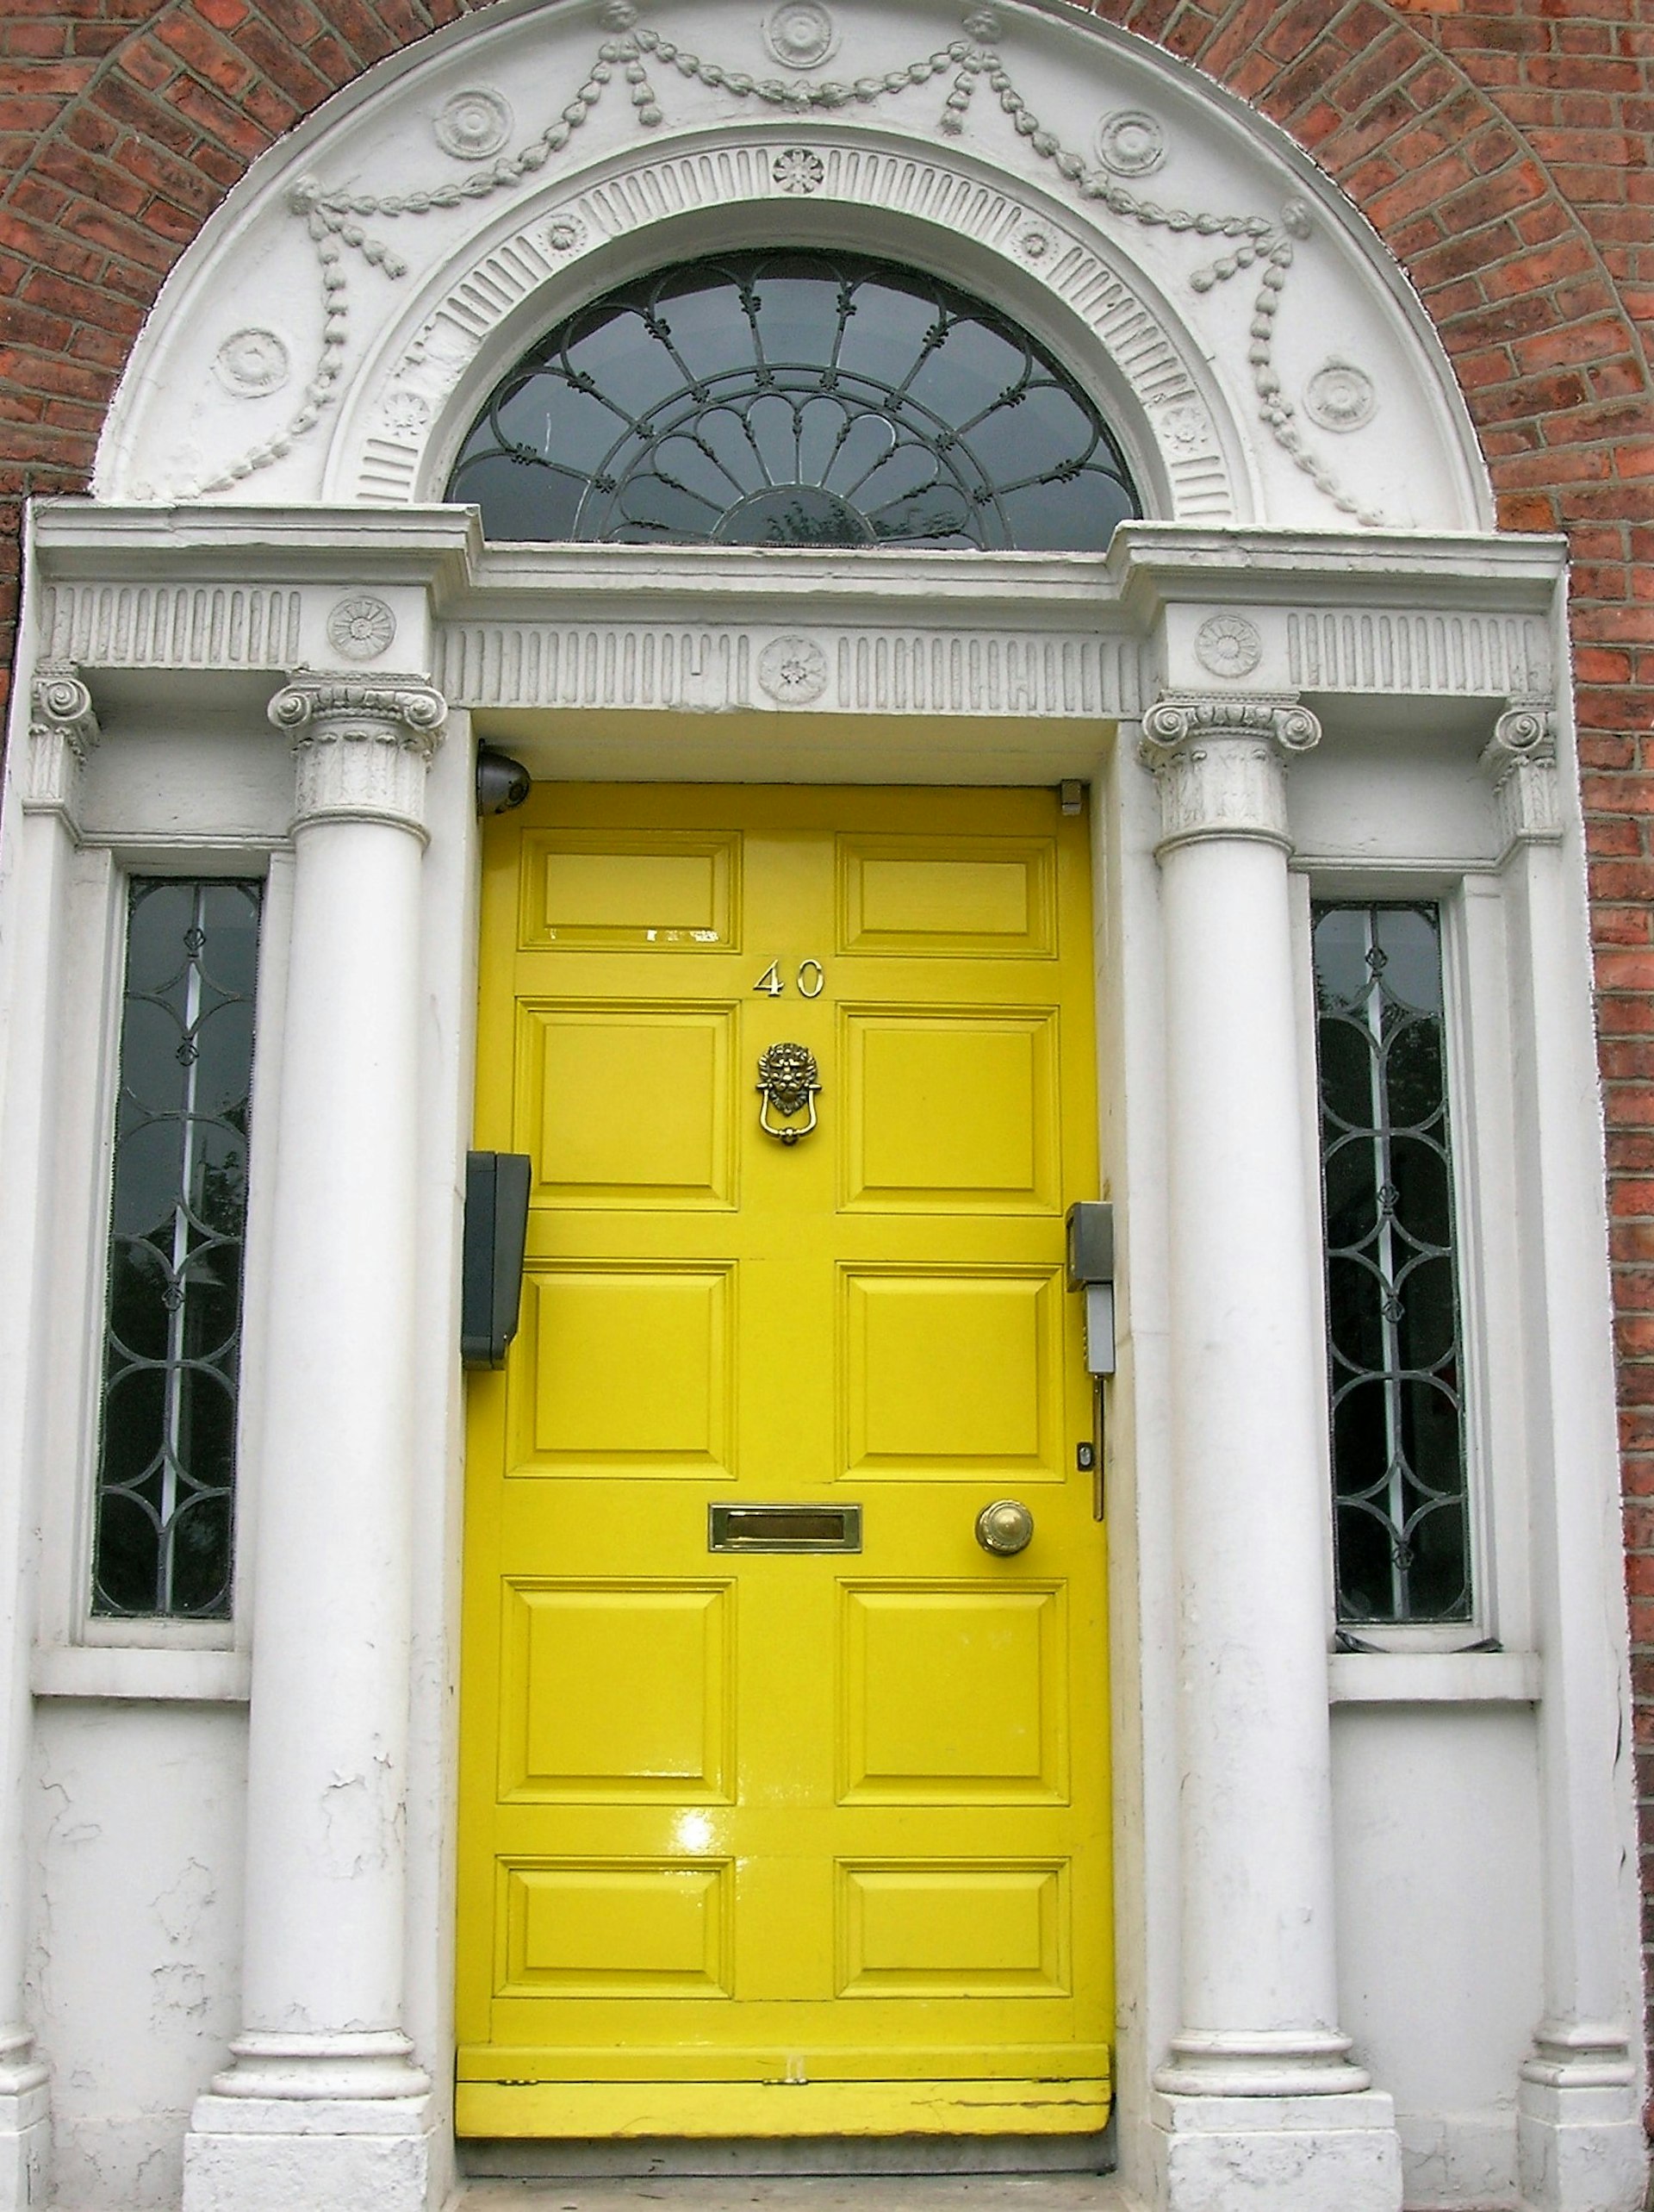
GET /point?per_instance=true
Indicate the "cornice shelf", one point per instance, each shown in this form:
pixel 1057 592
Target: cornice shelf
pixel 1459 617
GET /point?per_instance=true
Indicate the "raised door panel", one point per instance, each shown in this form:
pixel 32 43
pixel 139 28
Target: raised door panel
pixel 624 1370
pixel 613 1929
pixel 951 1372
pixel 615 1692
pixel 954 1693
pixel 607 890
pixel 629 1104
pixel 951 1109
pixel 953 1928
pixel 946 897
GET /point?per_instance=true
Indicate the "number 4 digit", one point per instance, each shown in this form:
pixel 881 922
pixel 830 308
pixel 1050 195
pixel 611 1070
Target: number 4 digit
pixel 770 980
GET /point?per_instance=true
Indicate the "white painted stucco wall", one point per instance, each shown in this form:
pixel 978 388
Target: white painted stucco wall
pixel 1440 1908
pixel 134 1971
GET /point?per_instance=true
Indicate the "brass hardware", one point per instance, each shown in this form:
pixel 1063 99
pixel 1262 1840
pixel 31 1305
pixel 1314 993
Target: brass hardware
pixel 783 1527
pixel 1006 1527
pixel 811 980
pixel 788 1080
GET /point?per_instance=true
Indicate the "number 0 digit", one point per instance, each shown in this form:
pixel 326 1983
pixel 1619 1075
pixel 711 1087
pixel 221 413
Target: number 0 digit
pixel 812 980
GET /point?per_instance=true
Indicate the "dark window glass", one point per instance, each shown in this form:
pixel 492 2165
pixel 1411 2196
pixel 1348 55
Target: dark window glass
pixel 1400 1508
pixel 171 1346
pixel 794 399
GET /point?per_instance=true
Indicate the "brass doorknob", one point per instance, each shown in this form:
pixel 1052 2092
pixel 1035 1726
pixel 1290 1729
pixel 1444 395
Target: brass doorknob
pixel 1004 1527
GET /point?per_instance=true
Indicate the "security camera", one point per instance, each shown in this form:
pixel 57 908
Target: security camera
pixel 502 781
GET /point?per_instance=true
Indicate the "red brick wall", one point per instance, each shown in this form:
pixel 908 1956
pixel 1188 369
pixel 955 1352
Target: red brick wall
pixel 1504 149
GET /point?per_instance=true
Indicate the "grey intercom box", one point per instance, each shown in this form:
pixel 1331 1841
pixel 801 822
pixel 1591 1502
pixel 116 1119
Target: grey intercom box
pixel 1091 1269
pixel 491 1268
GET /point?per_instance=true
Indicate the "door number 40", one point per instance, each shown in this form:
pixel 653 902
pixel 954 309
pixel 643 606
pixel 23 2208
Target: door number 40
pixel 810 981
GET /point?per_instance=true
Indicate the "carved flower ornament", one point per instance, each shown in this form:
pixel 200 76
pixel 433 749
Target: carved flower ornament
pixel 361 628
pixel 1228 644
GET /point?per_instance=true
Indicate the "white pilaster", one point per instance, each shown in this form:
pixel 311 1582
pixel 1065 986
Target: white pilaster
pixel 1257 2099
pixel 1580 2137
pixel 324 2109
pixel 62 730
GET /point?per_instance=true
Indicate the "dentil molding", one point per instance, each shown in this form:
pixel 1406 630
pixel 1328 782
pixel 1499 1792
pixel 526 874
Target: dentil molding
pixel 362 749
pixel 1220 765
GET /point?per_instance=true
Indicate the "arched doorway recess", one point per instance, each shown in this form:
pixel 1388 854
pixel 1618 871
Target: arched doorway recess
pixel 1311 588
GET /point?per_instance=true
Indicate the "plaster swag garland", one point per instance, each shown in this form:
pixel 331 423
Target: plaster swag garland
pixel 334 220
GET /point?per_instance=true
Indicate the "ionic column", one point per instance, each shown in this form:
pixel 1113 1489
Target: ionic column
pixel 62 731
pixel 1579 2132
pixel 1256 2094
pixel 324 2109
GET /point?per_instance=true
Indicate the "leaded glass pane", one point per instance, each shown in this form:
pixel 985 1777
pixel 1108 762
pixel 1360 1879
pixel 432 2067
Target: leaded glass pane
pixel 1400 1506
pixel 171 1346
pixel 794 399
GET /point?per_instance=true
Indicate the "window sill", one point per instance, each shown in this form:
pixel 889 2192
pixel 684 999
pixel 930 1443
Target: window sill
pixel 1434 1677
pixel 125 1671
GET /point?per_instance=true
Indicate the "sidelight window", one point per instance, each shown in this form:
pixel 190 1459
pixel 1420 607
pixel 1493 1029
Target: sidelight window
pixel 1399 1505
pixel 165 1515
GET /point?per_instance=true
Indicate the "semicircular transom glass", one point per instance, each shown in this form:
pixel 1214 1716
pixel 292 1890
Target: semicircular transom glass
pixel 794 399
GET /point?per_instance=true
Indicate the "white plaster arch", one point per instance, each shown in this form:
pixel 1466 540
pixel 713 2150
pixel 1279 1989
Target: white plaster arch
pixel 332 330
pixel 951 215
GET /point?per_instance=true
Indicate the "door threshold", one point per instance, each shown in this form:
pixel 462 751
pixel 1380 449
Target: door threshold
pixel 790 2157
pixel 929 2192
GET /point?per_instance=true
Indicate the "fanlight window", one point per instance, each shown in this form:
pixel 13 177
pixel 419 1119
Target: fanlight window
pixel 794 399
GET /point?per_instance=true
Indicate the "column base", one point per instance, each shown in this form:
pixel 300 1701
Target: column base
pixel 324 2154
pixel 1580 2144
pixel 313 2123
pixel 1326 2154
pixel 25 2123
pixel 25 2148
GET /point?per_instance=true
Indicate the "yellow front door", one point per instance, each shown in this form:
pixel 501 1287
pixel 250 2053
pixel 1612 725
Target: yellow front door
pixel 809 1840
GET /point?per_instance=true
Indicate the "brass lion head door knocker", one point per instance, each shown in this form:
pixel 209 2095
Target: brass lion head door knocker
pixel 788 1080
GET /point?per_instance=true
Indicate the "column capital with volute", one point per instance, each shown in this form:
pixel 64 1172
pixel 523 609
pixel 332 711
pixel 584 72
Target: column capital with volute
pixel 62 731
pixel 1520 761
pixel 1221 764
pixel 362 747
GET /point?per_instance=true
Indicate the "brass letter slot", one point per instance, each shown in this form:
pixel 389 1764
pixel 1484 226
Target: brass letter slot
pixel 783 1527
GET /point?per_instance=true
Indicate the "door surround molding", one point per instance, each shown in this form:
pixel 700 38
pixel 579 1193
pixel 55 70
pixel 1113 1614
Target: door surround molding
pixel 516 635
pixel 211 610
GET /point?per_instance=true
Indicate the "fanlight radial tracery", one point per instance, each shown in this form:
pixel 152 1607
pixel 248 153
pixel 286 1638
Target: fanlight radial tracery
pixel 794 399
